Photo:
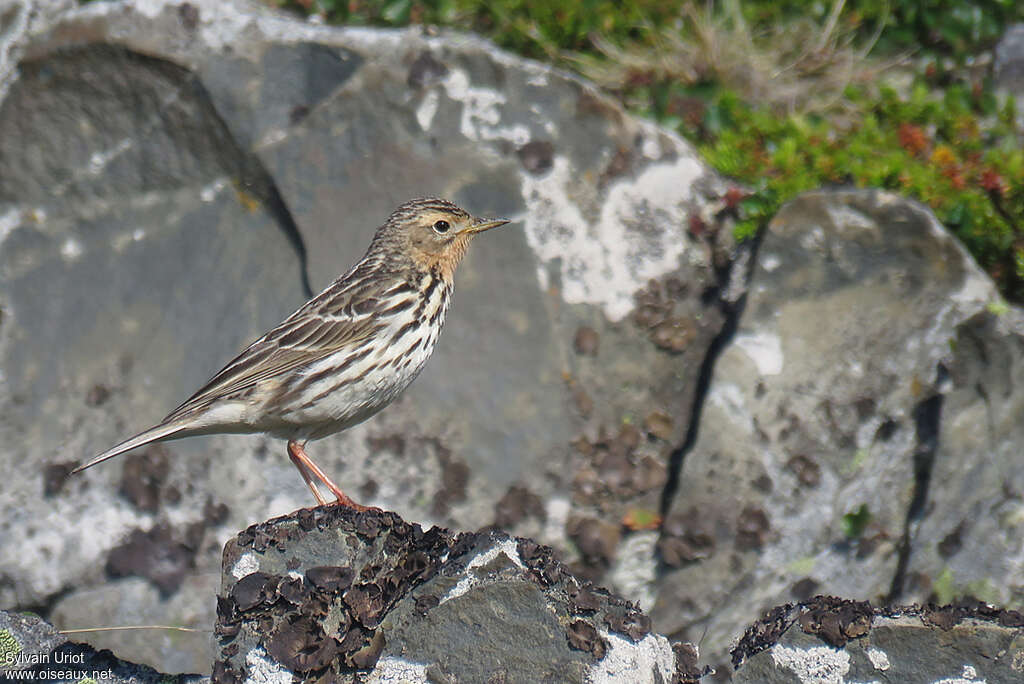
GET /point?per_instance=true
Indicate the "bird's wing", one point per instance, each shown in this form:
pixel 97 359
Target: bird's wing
pixel 329 323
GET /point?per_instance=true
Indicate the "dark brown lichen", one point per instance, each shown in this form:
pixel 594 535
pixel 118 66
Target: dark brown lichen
pixel 583 636
pixel 537 156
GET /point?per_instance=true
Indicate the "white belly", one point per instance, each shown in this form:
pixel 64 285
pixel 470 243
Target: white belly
pixel 376 381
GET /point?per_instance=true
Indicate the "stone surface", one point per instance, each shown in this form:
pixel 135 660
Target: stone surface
pixel 175 178
pixel 828 416
pixel 32 650
pixel 329 594
pixel 1008 66
pixel 832 640
pixel 20 20
pixel 969 537
pixel 1008 62
pixel 172 174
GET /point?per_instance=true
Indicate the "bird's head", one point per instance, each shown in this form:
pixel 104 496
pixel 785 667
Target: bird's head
pixel 432 233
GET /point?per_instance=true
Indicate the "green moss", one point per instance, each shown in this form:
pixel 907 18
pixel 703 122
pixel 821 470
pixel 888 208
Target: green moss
pixel 943 587
pixel 998 307
pixel 984 590
pixel 946 589
pixel 855 522
pixel 802 566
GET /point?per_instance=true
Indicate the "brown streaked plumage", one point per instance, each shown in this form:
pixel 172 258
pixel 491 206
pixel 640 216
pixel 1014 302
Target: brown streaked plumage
pixel 346 353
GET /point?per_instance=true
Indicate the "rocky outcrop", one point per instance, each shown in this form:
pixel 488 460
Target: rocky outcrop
pixel 329 594
pixel 1008 66
pixel 172 178
pixel 176 177
pixel 850 439
pixel 834 640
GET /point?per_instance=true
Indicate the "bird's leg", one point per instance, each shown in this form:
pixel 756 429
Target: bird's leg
pixel 292 446
pixel 306 466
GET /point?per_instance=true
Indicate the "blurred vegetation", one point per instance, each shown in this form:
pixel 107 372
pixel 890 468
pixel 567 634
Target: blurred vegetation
pixel 788 96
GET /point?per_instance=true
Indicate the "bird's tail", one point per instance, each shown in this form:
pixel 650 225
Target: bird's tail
pixel 153 434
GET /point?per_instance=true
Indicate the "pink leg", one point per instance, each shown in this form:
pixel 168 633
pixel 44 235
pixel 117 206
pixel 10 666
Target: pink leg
pixel 320 500
pixel 297 453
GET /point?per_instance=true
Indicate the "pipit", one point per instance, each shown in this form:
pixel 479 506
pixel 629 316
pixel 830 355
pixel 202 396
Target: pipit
pixel 345 354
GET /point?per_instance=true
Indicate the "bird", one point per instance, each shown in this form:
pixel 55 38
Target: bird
pixel 342 356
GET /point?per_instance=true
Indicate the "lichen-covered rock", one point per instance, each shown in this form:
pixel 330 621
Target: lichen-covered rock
pixel 846 430
pixel 834 640
pixel 1008 65
pixel 174 174
pixel 969 537
pixel 327 593
pixel 33 650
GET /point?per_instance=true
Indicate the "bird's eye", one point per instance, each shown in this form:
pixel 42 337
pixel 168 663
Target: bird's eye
pixel 441 227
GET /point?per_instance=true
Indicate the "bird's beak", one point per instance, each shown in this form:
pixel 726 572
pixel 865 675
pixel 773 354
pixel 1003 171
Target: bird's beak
pixel 480 225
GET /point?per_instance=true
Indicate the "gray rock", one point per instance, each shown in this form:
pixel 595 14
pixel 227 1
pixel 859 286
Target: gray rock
pixel 1008 66
pixel 20 20
pixel 327 593
pixel 171 174
pixel 819 429
pixel 175 177
pixel 966 538
pixel 32 650
pixel 832 640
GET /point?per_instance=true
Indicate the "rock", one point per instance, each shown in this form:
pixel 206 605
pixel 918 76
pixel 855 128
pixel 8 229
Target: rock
pixel 1008 66
pixel 175 177
pixel 172 174
pixel 32 650
pixel 19 21
pixel 828 415
pixel 834 640
pixel 331 593
pixel 967 534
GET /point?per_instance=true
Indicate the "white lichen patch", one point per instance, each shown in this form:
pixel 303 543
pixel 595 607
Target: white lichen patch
pixel 769 262
pixel 635 571
pixel 71 249
pixel 393 670
pixel 637 236
pixel 977 289
pixel 427 109
pixel 481 111
pixel 39 542
pixel 507 547
pixel 814 665
pixel 968 676
pixel 879 659
pixel 648 660
pixel 813 240
pixel 764 349
pixel 245 566
pixel 651 148
pixel 122 241
pixel 209 192
pixel 9 220
pixel 263 670
pixel 538 79
pixel 852 223
pixel 556 510
pixel 728 397
pixel 99 160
